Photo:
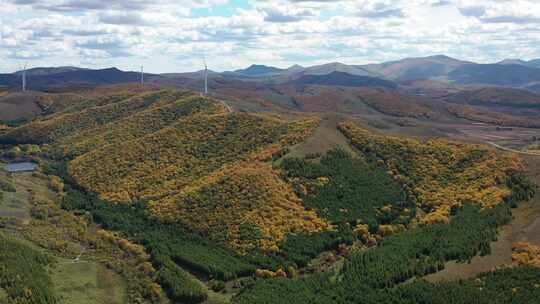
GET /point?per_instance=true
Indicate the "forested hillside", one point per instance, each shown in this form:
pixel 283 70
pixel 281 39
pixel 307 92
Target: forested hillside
pixel 440 175
pixel 87 115
pixel 211 207
pixel 162 162
pixel 245 205
pixel 464 193
pixel 487 115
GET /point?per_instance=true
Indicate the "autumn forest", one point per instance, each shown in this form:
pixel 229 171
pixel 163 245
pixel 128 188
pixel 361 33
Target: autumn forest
pixel 184 199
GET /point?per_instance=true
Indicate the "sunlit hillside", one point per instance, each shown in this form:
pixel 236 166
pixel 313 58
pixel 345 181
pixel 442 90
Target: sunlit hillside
pixel 205 203
pixel 440 175
pixel 163 162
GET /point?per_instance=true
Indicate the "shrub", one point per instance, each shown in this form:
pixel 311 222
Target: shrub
pixel 217 286
pixel 56 184
pixel 7 186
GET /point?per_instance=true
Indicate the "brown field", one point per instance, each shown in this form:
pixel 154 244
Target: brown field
pixel 18 105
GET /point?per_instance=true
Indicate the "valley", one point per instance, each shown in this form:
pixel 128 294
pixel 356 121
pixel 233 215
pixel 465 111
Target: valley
pixel 330 188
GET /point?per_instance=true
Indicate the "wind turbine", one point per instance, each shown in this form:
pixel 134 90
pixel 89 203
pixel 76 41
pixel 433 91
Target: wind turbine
pixel 24 77
pixel 142 76
pixel 205 77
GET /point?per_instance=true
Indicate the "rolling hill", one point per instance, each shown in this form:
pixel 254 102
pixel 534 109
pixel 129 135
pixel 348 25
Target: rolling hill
pixel 344 79
pixel 535 63
pixel 398 104
pixel 47 79
pixel 19 106
pixel 439 175
pixel 510 73
pixel 490 116
pixel 209 142
pixel 497 105
pixel 176 140
pixel 417 68
pixel 259 70
pixel 212 205
pixel 497 96
pixel 495 74
pixel 332 67
pixel 45 71
pixel 28 105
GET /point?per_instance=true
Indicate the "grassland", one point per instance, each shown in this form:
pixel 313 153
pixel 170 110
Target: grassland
pixel 326 137
pixel 87 282
pixel 14 203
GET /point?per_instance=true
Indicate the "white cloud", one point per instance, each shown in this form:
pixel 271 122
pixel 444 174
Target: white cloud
pixel 171 35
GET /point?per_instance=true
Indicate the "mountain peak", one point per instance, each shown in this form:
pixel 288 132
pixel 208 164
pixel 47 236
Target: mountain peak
pixel 442 57
pixel 295 66
pixel 258 70
pixel 509 61
pixel 43 71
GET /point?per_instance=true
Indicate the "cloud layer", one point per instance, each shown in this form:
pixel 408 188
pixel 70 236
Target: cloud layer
pixel 174 35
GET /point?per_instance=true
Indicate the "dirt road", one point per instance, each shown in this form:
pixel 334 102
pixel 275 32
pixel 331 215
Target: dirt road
pixel 512 150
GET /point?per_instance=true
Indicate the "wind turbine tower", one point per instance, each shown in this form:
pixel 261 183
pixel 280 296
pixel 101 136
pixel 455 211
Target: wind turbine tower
pixel 205 78
pixel 142 76
pixel 24 78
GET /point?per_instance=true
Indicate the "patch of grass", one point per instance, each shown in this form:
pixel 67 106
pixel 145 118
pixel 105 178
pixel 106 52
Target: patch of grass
pixel 7 186
pixel 326 137
pixel 15 204
pixel 12 203
pixel 87 283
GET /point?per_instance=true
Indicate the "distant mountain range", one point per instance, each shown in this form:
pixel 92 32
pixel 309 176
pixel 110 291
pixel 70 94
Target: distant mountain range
pixel 495 74
pixel 513 73
pixel 531 63
pixel 345 80
pixel 55 78
pixel 259 70
pixel 417 68
pixel 50 71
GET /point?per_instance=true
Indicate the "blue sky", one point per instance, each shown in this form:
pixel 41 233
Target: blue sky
pixel 226 9
pixel 175 35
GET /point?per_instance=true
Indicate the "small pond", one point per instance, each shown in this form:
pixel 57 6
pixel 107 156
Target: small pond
pixel 20 167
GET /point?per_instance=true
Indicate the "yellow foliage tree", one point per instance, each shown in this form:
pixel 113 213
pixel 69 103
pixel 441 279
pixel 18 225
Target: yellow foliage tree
pixel 440 174
pixel 246 205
